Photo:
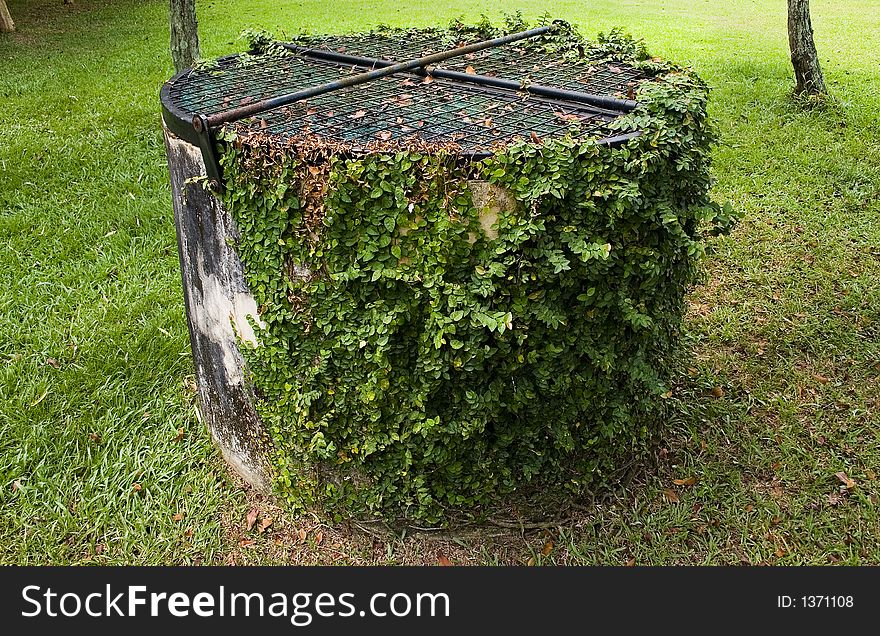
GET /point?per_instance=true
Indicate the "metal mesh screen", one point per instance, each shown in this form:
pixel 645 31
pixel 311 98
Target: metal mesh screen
pixel 404 105
pixel 511 62
pixel 396 108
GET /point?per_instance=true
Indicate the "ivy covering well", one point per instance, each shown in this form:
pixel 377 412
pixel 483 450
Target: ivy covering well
pixel 412 362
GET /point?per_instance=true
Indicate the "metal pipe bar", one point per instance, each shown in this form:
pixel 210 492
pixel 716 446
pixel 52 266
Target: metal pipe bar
pixel 609 105
pixel 249 110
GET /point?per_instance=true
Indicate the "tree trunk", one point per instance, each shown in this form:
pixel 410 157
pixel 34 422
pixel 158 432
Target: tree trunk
pixel 807 72
pixel 6 23
pixel 184 33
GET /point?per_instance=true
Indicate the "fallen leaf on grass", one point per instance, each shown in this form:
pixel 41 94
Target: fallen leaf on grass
pixel 251 518
pixel 94 437
pixel 845 480
pixel 246 543
pixel 749 508
pixel 531 561
pixel 16 485
pixel 265 522
pixel 547 549
pixel 671 495
pixel 717 391
pixel 779 552
pixel 41 398
pixel 870 474
pixel 442 560
pixel 137 487
pixel 689 481
pixel 302 534
pixel 52 362
pixel 180 435
pixel 631 563
pixel 821 379
pixel 319 537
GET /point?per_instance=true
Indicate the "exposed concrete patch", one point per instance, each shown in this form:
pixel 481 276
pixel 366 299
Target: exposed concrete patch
pixel 218 308
pixel 491 200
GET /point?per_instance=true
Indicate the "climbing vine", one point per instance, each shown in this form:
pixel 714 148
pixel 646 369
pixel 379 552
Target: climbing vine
pixel 426 349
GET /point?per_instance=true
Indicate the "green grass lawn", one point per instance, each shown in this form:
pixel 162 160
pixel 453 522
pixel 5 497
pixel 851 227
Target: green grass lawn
pixel 102 458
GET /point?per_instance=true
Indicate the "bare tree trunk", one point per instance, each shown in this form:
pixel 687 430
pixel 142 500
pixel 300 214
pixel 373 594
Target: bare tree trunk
pixel 6 23
pixel 807 72
pixel 184 33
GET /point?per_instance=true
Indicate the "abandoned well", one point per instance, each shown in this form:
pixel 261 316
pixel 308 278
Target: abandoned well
pixel 423 268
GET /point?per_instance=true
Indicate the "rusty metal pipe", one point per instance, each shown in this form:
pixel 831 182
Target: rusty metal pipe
pixel 250 110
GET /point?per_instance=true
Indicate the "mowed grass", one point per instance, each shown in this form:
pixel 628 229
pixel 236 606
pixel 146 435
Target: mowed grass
pixel 103 460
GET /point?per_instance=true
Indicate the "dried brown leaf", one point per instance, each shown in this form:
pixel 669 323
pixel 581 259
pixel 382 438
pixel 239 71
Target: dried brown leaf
pixel 357 114
pixel 265 522
pixel 717 392
pixel 688 481
pixel 319 537
pixel 442 560
pixel 52 362
pixel 671 495
pixel 547 549
pixel 178 517
pixel 470 70
pixel 845 480
pixel 251 518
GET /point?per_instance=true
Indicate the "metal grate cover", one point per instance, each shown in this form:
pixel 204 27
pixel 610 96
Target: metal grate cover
pixel 477 101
